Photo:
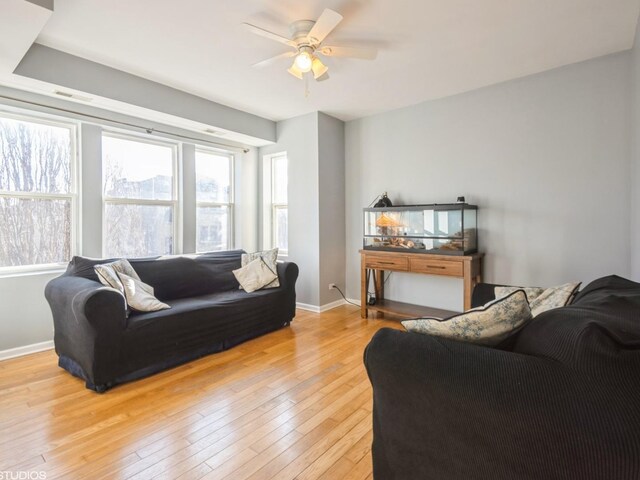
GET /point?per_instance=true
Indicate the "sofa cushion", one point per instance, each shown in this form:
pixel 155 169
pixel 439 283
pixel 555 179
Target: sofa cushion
pixel 601 327
pixel 189 275
pixel 488 325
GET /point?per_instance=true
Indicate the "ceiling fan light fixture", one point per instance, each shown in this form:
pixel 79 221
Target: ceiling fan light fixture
pixel 295 71
pixel 303 61
pixel 318 68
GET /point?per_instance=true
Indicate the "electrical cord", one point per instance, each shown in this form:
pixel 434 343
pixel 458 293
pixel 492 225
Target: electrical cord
pixel 345 298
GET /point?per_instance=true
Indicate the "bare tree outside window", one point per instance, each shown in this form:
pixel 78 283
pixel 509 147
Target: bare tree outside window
pixel 279 203
pixel 214 200
pixel 37 192
pixel 139 194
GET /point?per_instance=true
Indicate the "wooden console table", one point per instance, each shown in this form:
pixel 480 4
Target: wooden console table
pixel 468 267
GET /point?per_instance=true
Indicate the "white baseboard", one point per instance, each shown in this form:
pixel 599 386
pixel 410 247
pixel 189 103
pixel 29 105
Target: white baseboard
pixel 26 350
pixel 325 307
pixel 353 300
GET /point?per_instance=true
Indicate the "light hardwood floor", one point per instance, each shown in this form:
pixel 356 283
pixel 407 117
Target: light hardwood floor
pixel 294 404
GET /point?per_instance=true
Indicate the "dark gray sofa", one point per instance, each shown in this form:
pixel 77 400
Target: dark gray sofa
pixel 560 401
pixel 97 341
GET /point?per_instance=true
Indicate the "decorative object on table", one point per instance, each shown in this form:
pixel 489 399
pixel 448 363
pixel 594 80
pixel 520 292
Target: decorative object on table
pixel 449 229
pixel 487 325
pixel 383 202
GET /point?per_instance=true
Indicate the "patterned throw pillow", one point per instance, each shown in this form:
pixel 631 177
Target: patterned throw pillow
pixel 532 292
pixel 541 299
pixel 488 325
pixel 255 275
pixel 108 273
pixel 139 295
pixel 554 297
pixel 270 257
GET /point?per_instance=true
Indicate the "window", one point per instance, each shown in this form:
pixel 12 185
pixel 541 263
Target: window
pixel 277 213
pixel 38 194
pixel 214 201
pixel 139 178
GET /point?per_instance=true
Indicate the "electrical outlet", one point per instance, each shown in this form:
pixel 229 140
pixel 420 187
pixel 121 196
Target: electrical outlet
pixel 332 286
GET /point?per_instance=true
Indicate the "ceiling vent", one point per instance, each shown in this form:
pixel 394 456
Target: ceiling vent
pixel 72 95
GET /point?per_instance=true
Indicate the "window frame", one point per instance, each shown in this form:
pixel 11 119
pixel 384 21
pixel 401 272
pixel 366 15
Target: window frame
pixel 176 192
pixel 276 205
pixel 73 195
pixel 232 192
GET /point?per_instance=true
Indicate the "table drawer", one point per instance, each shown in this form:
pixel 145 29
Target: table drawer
pixel 387 263
pixel 436 267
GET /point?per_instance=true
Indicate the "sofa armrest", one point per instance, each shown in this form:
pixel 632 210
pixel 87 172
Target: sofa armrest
pixel 483 293
pixel 450 410
pixel 89 320
pixel 287 274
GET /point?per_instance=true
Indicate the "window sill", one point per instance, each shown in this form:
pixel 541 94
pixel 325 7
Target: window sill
pixel 32 271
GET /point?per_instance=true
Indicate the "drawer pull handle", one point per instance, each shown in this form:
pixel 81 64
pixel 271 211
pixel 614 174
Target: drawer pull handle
pixel 386 263
pixel 440 267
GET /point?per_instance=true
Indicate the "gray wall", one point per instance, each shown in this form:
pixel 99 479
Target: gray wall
pixel 547 159
pixel 635 158
pixel 315 150
pixel 299 138
pixel 332 212
pixel 26 317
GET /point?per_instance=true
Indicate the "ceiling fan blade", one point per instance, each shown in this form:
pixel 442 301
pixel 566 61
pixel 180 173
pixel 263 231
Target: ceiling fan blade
pixel 363 53
pixel 270 35
pixel 318 68
pixel 269 61
pixel 295 71
pixel 324 25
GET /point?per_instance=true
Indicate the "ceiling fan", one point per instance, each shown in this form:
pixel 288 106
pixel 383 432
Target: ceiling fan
pixel 306 41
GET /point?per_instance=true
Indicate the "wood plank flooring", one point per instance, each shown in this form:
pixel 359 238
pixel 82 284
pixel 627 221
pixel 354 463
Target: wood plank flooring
pixel 294 404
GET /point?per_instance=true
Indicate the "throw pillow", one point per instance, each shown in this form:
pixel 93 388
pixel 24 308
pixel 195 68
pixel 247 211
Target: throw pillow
pixel 554 297
pixel 139 295
pixel 488 325
pixel 255 275
pixel 532 292
pixel 108 273
pixel 270 257
pixel 543 299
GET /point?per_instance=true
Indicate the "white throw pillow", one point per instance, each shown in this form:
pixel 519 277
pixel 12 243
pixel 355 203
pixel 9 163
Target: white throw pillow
pixel 255 275
pixel 139 295
pixel 108 273
pixel 270 257
pixel 488 325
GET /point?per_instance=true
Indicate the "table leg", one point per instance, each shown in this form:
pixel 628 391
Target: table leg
pixel 363 288
pixel 379 285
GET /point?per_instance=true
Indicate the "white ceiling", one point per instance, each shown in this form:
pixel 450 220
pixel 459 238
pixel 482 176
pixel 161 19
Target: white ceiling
pixel 427 48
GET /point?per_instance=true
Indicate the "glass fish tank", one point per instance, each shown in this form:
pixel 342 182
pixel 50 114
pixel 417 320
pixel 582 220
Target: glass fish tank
pixel 446 229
